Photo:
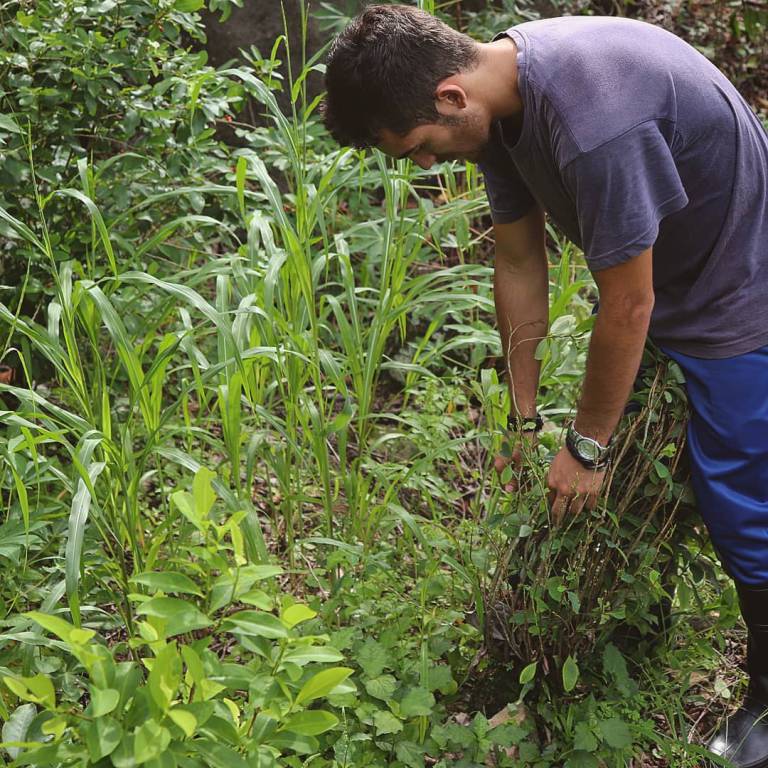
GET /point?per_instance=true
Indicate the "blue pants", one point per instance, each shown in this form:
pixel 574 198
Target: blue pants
pixel 728 445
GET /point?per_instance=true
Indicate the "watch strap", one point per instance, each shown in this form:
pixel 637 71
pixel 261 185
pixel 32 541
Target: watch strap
pixel 572 439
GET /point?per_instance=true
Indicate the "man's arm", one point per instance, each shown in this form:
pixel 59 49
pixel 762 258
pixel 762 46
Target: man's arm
pixel 616 346
pixel 520 289
pixel 615 350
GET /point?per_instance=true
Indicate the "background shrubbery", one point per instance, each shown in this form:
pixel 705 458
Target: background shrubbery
pixel 249 516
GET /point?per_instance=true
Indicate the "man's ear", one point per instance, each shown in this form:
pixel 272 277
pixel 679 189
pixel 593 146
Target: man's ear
pixel 450 98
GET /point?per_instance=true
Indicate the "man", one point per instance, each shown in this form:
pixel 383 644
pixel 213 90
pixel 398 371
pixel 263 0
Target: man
pixel 649 159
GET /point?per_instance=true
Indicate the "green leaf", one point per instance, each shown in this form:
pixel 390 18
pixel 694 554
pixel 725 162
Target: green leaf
pixel 168 581
pixel 615 666
pixel 579 759
pixel 165 676
pixel 7 123
pixel 385 722
pixel 570 674
pixel 38 689
pixel 185 720
pixel 58 627
pixel 410 753
pixel 528 673
pixel 303 654
pixel 254 624
pixel 439 678
pixel 585 739
pixel 150 741
pixel 372 657
pixel 102 737
pixel 16 727
pixel 103 701
pixel 202 491
pixel 188 6
pixel 311 723
pixel 297 613
pixel 179 616
pixel 615 732
pixel 417 702
pixel 322 684
pixel 381 687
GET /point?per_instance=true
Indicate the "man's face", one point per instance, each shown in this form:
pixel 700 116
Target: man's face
pixel 457 138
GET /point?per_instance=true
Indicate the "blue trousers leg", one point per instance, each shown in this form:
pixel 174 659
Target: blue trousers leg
pixel 728 444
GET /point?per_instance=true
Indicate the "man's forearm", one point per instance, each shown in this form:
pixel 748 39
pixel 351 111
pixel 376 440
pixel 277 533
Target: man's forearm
pixel 614 357
pixel 520 295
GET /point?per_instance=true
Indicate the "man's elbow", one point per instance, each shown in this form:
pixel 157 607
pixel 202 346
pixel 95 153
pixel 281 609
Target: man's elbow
pixel 630 310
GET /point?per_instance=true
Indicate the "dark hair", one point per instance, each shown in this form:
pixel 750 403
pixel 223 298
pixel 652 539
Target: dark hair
pixel 383 69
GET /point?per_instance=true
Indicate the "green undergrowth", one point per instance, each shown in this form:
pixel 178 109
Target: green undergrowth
pixel 249 513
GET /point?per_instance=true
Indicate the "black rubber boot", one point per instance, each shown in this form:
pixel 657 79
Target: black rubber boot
pixel 743 738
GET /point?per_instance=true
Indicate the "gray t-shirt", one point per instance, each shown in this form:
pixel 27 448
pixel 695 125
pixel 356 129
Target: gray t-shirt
pixel 630 138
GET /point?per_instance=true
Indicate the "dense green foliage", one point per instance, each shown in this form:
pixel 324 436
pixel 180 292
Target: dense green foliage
pixel 249 516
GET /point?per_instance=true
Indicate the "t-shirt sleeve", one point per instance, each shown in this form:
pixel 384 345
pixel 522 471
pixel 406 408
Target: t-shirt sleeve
pixel 623 189
pixel 508 195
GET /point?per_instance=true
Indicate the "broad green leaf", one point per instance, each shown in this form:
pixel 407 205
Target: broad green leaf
pixel 53 624
pixel 439 678
pixel 528 673
pixel 581 759
pixel 202 491
pixel 297 742
pixel 55 727
pixel 570 674
pixel 168 581
pixel 311 723
pixel 254 624
pixel 165 677
pixel 615 732
pixel 185 720
pixel 102 736
pixel 297 613
pixel 150 741
pixel 615 666
pixel 410 753
pixel 382 687
pixel 261 572
pixel 179 616
pixel 585 739
pixel 303 654
pixel 16 727
pixel 385 722
pixel 372 656
pixel 218 755
pixel 188 6
pixel 103 701
pixel 417 702
pixel 7 123
pixel 322 684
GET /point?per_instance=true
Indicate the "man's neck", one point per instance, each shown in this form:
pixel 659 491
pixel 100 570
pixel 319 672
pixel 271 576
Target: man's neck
pixel 496 79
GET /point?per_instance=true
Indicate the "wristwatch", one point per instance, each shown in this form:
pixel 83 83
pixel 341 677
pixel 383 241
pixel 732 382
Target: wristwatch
pixel 588 452
pixel 525 423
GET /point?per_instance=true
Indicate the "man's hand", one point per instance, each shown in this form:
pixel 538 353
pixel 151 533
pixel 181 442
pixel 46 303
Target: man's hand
pixel 572 486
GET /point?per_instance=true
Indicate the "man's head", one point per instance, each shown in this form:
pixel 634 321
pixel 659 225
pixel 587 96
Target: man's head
pixel 394 80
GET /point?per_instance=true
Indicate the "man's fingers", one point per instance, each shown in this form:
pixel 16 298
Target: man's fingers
pixel 560 506
pixel 578 501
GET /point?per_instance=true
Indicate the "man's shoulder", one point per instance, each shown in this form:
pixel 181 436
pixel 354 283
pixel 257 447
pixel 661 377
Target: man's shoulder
pixel 599 76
